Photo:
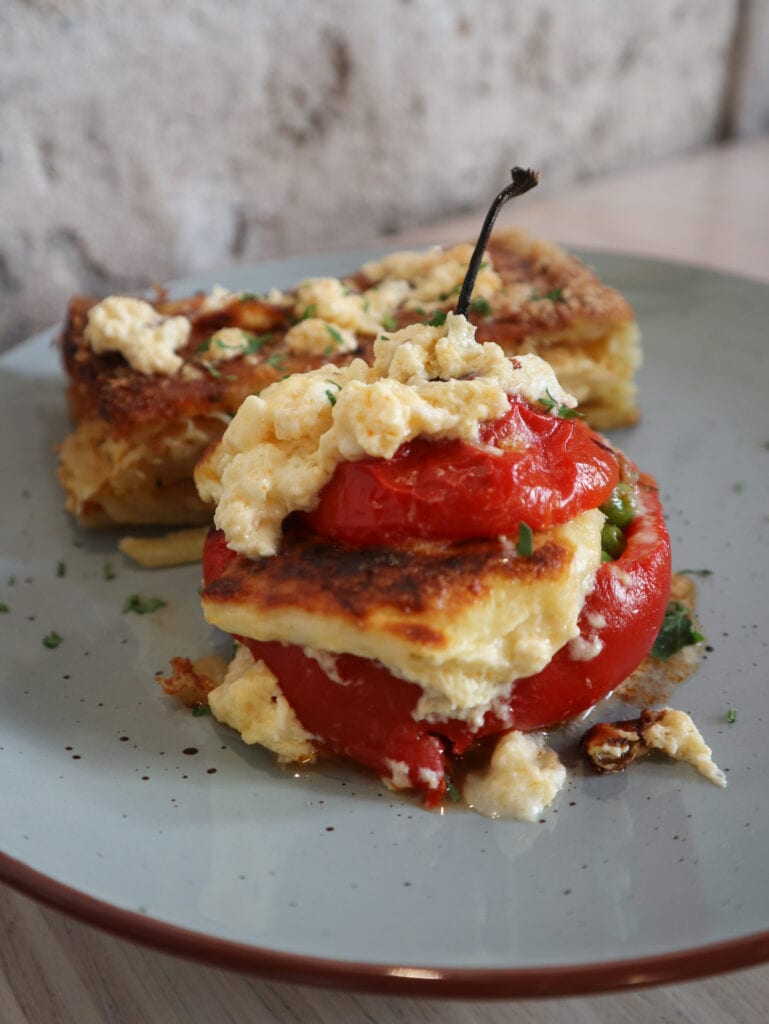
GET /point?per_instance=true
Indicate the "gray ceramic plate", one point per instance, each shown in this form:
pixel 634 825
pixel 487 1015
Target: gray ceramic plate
pixel 324 875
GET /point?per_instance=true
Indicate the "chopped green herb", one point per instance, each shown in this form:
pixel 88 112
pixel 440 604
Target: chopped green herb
pixel 11 581
pixel 204 346
pixel 731 716
pixel 51 640
pixel 61 568
pixel 452 791
pixel 277 360
pixel 438 318
pixel 562 411
pixel 525 545
pixel 388 322
pixel 554 295
pixel 695 572
pixel 480 306
pixel 248 297
pixel 677 631
pixel 255 342
pixel 4 609
pixel 738 487
pixel 331 397
pixel 218 373
pixel 366 306
pixel 335 334
pixel 142 605
pixel 108 572
pixel 201 709
pixel 309 311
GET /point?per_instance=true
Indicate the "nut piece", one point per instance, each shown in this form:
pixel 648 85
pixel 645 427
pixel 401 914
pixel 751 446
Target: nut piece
pixel 612 746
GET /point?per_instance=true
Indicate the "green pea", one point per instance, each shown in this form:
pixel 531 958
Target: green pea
pixel 612 540
pixel 620 506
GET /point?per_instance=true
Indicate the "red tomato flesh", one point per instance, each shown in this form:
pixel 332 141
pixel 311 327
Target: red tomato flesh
pixel 530 467
pixel 368 716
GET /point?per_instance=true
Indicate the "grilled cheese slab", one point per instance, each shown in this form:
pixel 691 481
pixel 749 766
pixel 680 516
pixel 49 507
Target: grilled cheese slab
pixel 461 619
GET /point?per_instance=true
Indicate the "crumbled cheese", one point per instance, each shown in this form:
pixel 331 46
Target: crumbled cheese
pixel 434 276
pixel 675 734
pixel 317 337
pixel 398 774
pixel 250 700
pixel 585 648
pixel 330 300
pixel 226 343
pixel 283 445
pixel 147 340
pixel 218 298
pixel 523 777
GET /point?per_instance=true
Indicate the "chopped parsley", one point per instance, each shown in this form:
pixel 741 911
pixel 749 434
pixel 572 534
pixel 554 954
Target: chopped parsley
pixel 695 572
pixel 204 346
pixel 388 322
pixel 4 609
pixel 335 334
pixel 61 568
pixel 480 306
pixel 731 716
pixel 248 297
pixel 217 374
pixel 562 411
pixel 677 631
pixel 309 311
pixel 200 709
pixel 452 791
pixel 51 640
pixel 142 605
pixel 11 581
pixel 525 545
pixel 255 342
pixel 331 397
pixel 276 360
pixel 438 318
pixel 108 572
pixel 554 295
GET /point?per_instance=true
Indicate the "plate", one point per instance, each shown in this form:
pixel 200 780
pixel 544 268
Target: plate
pixel 128 811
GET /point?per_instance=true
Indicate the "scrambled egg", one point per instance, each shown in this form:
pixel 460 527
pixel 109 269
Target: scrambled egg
pixel 147 340
pixel 250 701
pixel 524 776
pixel 283 445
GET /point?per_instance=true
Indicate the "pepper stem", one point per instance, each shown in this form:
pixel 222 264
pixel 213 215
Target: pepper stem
pixel 522 181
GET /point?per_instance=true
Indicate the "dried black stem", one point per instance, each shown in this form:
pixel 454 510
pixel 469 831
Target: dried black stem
pixel 522 181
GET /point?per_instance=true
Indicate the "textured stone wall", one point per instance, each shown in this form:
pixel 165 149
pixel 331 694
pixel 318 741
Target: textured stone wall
pixel 144 140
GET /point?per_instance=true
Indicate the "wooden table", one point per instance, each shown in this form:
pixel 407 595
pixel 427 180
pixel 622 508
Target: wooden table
pixel 710 208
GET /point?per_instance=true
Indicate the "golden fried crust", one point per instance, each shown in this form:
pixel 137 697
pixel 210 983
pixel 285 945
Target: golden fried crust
pixel 458 617
pixel 550 304
pixel 106 387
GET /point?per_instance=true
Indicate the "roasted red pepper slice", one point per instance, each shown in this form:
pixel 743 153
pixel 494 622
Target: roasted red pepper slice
pixel 530 467
pixel 367 714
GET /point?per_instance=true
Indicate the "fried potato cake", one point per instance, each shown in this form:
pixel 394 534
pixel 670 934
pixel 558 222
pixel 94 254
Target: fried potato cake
pixel 137 434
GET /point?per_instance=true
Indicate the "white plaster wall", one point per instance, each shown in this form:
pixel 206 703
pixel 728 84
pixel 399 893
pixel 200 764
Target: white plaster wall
pixel 143 140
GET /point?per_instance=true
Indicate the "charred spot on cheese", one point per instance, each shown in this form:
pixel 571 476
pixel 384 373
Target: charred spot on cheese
pixel 461 619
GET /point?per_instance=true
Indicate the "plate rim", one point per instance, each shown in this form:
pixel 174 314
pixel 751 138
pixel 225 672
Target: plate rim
pixel 382 978
pixel 376 977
